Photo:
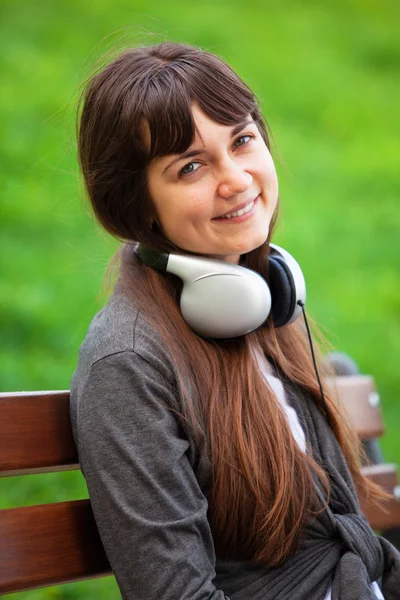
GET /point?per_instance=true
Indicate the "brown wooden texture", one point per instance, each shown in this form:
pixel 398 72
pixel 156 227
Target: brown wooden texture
pixel 35 433
pixel 388 516
pixel 359 398
pixel 49 544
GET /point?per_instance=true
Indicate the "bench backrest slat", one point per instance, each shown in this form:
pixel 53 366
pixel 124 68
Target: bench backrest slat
pixel 385 475
pixel 49 544
pixel 357 394
pixel 35 433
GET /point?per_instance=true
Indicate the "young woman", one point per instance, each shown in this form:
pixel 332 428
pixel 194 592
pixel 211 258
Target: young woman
pixel 215 466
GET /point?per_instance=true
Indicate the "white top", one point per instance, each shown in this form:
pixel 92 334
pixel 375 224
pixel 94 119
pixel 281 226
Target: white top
pixel 298 433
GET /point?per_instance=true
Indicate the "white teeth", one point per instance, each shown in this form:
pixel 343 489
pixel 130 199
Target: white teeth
pixel 240 212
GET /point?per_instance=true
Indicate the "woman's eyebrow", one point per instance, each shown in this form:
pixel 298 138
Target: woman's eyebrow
pixel 187 154
pixel 238 128
pixel 196 151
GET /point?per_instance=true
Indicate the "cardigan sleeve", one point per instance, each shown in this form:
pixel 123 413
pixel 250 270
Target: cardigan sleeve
pixel 148 505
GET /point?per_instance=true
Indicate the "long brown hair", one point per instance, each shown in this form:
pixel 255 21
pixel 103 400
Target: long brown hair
pixel 262 489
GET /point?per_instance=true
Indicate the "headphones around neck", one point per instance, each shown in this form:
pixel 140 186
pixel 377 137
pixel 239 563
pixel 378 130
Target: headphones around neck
pixel 222 300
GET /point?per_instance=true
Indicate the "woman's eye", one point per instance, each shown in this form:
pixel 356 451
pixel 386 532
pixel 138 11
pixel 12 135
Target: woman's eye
pixel 240 142
pixel 189 168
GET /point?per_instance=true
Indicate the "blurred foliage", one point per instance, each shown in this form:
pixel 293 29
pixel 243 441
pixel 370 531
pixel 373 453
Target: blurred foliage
pixel 327 75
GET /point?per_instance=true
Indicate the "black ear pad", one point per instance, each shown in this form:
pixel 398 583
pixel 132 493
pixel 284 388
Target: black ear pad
pixel 283 291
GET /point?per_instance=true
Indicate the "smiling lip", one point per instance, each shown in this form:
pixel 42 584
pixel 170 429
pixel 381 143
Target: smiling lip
pixel 240 218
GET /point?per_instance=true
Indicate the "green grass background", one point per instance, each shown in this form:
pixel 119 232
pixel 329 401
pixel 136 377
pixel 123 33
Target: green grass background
pixel 327 74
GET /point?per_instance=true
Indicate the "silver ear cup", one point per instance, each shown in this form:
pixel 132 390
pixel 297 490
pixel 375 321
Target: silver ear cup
pixel 220 300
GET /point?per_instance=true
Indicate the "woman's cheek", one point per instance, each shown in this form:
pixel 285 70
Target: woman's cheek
pixel 201 207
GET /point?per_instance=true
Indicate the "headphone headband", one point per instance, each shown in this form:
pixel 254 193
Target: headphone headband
pixel 152 258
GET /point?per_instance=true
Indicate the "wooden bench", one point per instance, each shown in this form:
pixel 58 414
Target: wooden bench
pixel 57 543
pixel 359 398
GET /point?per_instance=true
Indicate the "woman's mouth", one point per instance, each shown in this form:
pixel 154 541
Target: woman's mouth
pixel 241 215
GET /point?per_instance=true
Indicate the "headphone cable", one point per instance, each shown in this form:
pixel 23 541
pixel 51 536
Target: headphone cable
pixel 300 303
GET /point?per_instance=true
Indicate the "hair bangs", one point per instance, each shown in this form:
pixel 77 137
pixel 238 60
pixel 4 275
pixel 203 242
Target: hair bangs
pixel 168 113
pixel 225 100
pixel 175 87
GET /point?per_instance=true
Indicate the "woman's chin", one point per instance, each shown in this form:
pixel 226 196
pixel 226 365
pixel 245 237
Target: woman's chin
pixel 256 241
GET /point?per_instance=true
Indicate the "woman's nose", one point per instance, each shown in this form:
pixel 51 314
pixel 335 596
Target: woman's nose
pixel 233 180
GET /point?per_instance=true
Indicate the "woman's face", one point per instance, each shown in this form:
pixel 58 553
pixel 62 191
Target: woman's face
pixel 226 170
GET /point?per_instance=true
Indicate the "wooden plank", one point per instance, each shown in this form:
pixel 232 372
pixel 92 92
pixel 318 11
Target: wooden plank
pixel 357 394
pixel 35 433
pixel 49 544
pixel 384 475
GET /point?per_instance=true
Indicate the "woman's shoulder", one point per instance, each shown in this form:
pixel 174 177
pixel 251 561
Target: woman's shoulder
pixel 121 327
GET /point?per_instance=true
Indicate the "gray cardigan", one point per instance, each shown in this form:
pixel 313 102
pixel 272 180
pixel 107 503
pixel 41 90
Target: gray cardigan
pixel 148 483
